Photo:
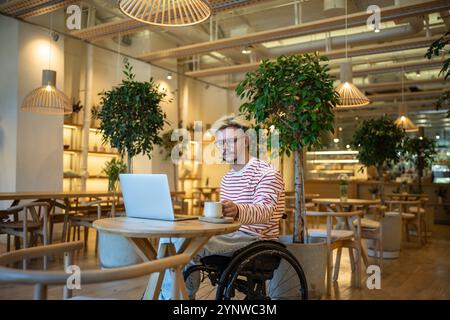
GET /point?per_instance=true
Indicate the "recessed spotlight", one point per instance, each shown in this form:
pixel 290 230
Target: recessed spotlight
pixel 376 30
pixel 335 140
pixel 340 128
pixel 169 76
pixel 438 137
pixel 420 138
pixel 347 146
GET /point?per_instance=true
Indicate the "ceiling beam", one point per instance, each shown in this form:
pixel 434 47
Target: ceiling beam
pixel 407 44
pixel 324 25
pixel 127 25
pixel 33 8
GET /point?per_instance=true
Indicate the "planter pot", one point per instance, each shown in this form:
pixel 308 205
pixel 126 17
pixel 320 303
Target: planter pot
pixel 116 251
pixel 313 259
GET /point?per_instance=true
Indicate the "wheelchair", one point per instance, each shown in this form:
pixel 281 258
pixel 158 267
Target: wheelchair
pixel 263 270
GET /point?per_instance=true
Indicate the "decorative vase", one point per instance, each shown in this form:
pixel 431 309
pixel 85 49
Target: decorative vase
pixel 111 185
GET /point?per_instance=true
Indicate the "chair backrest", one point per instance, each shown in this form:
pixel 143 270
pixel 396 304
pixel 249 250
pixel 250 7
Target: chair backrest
pixel 41 279
pixel 403 205
pixel 331 216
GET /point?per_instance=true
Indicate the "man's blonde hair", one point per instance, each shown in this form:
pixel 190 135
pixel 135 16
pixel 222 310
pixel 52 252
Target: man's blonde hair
pixel 231 120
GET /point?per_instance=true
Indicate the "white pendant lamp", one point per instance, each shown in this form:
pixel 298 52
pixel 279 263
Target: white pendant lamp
pixel 166 13
pixel 403 121
pixel 349 95
pixel 47 99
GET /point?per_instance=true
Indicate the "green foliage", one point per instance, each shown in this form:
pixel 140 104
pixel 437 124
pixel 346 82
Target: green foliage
pixel 295 94
pixel 167 144
pixel 420 150
pixel 379 142
pixel 76 106
pixel 131 115
pixel 112 169
pixel 436 48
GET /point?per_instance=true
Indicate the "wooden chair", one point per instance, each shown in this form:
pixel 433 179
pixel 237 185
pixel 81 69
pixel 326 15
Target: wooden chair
pixel 86 215
pixel 29 227
pixel 372 229
pixel 338 239
pixel 42 279
pixel 412 215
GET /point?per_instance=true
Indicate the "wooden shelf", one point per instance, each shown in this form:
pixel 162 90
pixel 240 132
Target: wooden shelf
pixel 93 152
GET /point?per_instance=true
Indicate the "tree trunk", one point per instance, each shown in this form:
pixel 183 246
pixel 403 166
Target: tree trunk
pixel 129 163
pixel 300 209
pixel 420 167
pixel 381 177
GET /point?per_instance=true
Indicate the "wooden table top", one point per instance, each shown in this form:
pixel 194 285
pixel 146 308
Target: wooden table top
pixel 147 228
pixel 53 195
pixel 349 201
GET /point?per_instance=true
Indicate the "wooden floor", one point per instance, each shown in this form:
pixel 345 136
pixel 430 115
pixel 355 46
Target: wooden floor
pixel 419 273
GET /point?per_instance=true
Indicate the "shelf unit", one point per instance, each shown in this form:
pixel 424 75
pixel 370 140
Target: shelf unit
pixel 98 154
pixel 329 164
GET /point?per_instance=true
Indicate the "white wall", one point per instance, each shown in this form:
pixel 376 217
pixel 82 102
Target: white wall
pixel 9 31
pixel 39 137
pixel 30 144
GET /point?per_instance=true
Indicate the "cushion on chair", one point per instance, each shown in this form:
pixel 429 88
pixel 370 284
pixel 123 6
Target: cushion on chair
pixel 368 223
pixel 335 234
pixel 414 209
pixel 408 215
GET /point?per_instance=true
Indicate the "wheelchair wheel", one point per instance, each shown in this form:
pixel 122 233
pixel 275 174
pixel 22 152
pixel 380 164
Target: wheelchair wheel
pixel 208 277
pixel 265 272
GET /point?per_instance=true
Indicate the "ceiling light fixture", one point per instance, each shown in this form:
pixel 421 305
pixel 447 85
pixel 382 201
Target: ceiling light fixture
pixel 169 76
pixel 349 95
pixel 403 121
pixel 167 13
pixel 47 99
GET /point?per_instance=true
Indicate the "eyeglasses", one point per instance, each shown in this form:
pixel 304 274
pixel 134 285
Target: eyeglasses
pixel 231 141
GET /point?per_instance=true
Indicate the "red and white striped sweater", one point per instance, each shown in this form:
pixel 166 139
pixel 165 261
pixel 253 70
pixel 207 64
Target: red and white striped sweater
pixel 258 191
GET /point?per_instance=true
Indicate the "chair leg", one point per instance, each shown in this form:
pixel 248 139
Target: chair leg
pixel 96 243
pixel 78 233
pixel 8 243
pixel 407 232
pixel 329 270
pixel 358 266
pixel 352 259
pixel 337 264
pixel 50 232
pixel 364 256
pixel 86 237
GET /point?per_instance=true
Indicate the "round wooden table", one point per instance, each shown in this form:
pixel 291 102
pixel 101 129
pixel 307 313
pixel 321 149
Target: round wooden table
pixel 195 235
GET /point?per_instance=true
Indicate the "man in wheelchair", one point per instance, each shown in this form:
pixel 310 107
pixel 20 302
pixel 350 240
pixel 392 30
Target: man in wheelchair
pixel 252 192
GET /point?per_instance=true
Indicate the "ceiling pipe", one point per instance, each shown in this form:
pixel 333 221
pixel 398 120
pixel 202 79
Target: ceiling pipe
pixel 324 25
pixel 407 44
pixel 414 26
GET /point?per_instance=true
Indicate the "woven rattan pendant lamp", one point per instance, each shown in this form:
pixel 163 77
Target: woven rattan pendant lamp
pixel 349 95
pixel 167 13
pixel 47 99
pixel 403 121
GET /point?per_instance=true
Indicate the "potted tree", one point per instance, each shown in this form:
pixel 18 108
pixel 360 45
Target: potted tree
pixel 295 95
pixel 131 116
pixel 420 151
pixel 379 144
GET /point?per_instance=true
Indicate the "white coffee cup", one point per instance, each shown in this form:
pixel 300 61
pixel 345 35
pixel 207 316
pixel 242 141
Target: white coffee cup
pixel 213 209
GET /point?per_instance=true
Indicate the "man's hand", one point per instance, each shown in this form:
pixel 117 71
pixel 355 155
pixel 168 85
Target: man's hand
pixel 229 209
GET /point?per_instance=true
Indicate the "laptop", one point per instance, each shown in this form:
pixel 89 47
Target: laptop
pixel 147 196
